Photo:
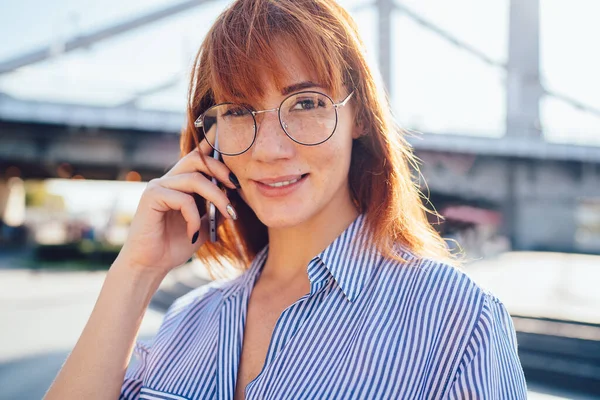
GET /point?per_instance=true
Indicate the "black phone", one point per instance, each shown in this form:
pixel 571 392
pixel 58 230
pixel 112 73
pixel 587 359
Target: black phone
pixel 211 208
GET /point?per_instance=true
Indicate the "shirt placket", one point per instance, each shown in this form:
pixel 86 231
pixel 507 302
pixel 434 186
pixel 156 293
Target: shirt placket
pixel 230 344
pixel 286 327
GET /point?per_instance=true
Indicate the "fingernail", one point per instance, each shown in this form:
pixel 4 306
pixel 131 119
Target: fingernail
pixel 234 180
pixel 195 237
pixel 231 212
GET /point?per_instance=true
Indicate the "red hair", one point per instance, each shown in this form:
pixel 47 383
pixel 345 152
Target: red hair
pixel 239 46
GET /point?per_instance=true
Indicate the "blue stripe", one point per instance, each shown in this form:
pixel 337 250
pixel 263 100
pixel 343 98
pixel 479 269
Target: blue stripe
pixel 370 328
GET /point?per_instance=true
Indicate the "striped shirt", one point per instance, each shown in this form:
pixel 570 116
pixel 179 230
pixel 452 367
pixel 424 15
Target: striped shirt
pixel 370 328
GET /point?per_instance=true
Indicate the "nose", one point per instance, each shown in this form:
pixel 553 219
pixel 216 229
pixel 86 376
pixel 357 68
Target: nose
pixel 271 141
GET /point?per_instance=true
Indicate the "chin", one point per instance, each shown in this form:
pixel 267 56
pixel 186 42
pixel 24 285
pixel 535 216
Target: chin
pixel 286 215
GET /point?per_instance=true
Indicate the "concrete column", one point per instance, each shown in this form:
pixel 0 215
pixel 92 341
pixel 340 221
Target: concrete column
pixel 546 224
pixel 523 90
pixel 543 217
pixel 385 9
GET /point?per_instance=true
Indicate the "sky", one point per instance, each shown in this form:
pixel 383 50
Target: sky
pixel 435 87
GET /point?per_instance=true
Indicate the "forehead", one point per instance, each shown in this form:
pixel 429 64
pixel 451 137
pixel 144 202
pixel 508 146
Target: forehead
pixel 284 70
pixel 292 68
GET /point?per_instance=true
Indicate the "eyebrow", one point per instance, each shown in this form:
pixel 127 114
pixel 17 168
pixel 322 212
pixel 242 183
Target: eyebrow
pixel 299 86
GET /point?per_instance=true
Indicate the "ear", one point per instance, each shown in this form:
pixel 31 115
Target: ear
pixel 358 130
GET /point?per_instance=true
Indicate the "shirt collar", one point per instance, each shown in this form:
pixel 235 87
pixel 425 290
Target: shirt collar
pixel 247 279
pixel 351 259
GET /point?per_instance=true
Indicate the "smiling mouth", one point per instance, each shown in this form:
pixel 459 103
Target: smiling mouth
pixel 289 181
pixel 284 183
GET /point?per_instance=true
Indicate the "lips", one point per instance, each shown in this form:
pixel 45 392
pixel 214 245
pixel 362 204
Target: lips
pixel 281 179
pixel 280 186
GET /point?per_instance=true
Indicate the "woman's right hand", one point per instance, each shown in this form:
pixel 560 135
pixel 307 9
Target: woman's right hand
pixel 167 219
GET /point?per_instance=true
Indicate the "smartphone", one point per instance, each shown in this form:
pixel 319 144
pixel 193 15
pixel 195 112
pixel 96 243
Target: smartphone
pixel 212 209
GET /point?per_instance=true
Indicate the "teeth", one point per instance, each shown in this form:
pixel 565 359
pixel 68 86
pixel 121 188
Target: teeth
pixel 285 183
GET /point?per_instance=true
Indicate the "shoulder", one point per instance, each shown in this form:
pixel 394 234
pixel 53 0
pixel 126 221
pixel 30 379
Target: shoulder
pixel 432 277
pixel 199 301
pixel 446 296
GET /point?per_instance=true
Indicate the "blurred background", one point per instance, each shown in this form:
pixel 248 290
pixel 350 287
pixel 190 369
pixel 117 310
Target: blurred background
pixel 502 97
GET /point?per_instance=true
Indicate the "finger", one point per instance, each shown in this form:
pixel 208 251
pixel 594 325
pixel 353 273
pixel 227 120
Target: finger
pixel 208 165
pixel 167 199
pixel 195 182
pixel 193 162
pixel 205 147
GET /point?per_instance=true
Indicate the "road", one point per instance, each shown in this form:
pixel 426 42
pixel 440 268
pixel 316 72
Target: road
pixel 44 312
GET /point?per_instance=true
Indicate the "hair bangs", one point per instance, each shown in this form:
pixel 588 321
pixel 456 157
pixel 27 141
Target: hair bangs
pixel 247 43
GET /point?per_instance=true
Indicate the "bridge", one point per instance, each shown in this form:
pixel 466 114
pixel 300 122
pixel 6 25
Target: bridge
pixel 536 186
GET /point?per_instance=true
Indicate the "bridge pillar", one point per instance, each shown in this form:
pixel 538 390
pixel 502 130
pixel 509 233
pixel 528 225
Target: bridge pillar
pixel 385 9
pixel 546 224
pixel 541 209
pixel 523 89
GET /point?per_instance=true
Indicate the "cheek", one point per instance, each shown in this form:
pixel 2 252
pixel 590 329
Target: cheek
pixel 237 165
pixel 335 158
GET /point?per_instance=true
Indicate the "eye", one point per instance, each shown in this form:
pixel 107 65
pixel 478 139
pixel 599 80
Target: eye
pixel 236 111
pixel 308 103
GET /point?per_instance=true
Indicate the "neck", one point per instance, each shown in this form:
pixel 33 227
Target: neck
pixel 292 248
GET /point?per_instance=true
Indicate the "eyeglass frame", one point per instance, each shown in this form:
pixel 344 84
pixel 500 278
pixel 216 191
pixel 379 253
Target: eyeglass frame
pixel 199 122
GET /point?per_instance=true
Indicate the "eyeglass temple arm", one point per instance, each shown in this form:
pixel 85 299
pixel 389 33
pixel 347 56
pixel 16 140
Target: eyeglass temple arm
pixel 343 102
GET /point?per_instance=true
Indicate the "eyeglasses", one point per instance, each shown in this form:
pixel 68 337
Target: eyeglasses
pixel 308 118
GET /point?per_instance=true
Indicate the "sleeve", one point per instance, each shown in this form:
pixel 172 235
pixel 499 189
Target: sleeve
pixel 139 364
pixel 132 384
pixel 490 367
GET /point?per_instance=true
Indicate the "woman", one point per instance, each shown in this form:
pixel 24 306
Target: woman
pixel 347 291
